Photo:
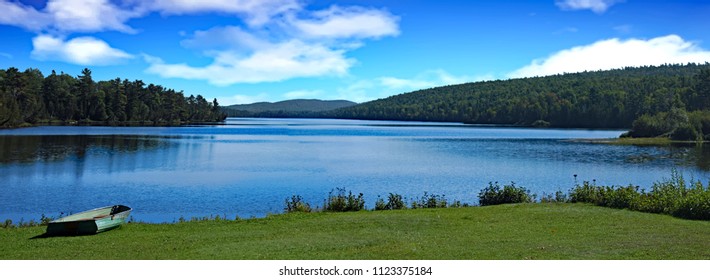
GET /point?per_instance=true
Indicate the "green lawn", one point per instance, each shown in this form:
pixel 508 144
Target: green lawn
pixel 526 231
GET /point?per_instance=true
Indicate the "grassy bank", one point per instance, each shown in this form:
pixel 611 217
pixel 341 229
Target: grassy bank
pixel 511 231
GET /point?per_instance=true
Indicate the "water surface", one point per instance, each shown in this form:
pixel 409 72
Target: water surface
pixel 248 167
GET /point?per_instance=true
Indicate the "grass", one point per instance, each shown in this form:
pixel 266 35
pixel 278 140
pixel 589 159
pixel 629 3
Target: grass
pixel 510 231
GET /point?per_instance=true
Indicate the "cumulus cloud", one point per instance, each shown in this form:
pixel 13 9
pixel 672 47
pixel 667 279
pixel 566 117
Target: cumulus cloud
pixel 348 22
pixel 597 6
pixel 89 15
pixel 307 44
pixel 82 51
pixel 27 17
pixel 278 62
pixel 616 53
pixel 67 16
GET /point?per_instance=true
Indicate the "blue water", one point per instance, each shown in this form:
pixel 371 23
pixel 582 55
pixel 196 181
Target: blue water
pixel 248 167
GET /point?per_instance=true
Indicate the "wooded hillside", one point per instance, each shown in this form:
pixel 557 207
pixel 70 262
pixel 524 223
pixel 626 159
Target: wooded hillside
pixel 29 97
pixel 600 99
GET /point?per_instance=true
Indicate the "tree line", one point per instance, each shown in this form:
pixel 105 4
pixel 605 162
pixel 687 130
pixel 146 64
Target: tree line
pixel 640 98
pixel 28 98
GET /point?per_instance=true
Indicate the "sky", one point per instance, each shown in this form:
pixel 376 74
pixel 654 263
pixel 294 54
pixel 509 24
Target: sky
pixel 245 51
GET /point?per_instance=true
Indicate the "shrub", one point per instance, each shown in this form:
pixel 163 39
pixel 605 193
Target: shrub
pixel 493 195
pixel 558 197
pixel 670 196
pixel 380 204
pixel 296 204
pixel 585 193
pixel 430 201
pixel 394 202
pixel 686 132
pixel 338 201
pixel 650 126
pixel 619 197
pixel 696 204
pixel 664 197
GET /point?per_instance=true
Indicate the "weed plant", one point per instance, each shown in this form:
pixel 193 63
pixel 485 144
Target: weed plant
pixel 494 195
pixel 430 201
pixel 296 204
pixel 339 201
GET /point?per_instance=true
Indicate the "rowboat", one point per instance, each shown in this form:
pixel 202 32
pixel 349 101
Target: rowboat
pixel 90 222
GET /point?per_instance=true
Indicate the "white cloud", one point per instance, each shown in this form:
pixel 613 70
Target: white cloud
pixel 315 47
pixel 616 53
pixel 225 38
pixel 6 55
pixel 68 16
pixel 89 15
pixel 23 16
pixel 278 62
pixel 597 6
pixel 256 12
pixel 81 50
pixel 349 22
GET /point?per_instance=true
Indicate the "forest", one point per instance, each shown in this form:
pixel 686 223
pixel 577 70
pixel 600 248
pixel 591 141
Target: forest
pixel 29 98
pixel 667 101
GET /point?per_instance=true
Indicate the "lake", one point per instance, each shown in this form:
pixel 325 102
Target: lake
pixel 248 167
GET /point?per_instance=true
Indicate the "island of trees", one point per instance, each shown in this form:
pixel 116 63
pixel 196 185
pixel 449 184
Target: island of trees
pixel 653 101
pixel 29 98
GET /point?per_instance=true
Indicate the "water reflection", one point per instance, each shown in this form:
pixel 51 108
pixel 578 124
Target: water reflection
pixel 51 148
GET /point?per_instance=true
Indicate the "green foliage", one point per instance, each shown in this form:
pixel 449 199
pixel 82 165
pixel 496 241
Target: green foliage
pixel 339 201
pixel 671 196
pixel 430 201
pixel 650 126
pixel 558 197
pixel 494 195
pixel 394 202
pixel 29 97
pixel 296 204
pixel 599 99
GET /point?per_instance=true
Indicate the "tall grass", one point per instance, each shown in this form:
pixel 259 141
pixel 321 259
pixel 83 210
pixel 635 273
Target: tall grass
pixel 339 201
pixel 674 196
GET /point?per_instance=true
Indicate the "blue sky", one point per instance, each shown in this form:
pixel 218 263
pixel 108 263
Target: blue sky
pixel 244 51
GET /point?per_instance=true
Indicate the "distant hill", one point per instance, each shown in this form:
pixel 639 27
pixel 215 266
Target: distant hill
pixel 287 108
